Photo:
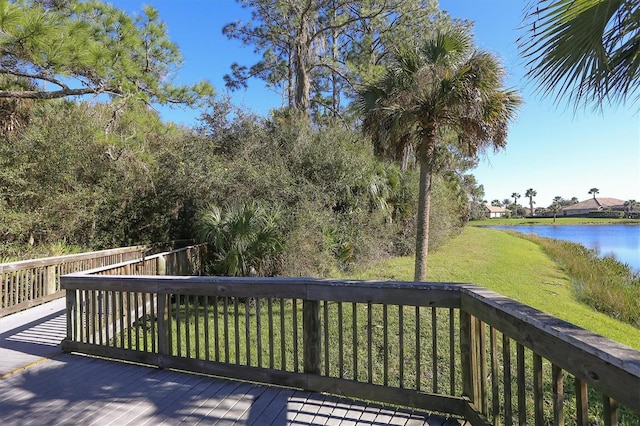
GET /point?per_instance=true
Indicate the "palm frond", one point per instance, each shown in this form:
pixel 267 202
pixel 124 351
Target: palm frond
pixel 584 50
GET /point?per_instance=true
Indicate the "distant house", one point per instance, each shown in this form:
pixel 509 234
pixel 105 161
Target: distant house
pixel 493 211
pixel 583 208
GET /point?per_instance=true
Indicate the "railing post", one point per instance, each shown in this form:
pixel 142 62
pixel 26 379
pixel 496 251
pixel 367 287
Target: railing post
pixel 161 266
pixel 311 336
pixel 50 288
pixel 74 318
pixel 469 357
pixel 164 337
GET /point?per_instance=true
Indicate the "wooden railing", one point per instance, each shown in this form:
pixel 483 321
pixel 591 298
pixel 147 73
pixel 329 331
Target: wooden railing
pixel 451 348
pixel 28 283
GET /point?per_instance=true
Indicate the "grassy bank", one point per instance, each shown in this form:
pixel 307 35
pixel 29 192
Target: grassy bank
pixel 550 221
pixel 512 266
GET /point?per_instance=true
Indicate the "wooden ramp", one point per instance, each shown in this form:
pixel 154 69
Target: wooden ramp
pixel 42 386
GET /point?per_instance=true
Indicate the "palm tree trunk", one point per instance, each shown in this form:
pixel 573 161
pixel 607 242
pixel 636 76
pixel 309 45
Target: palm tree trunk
pixel 424 208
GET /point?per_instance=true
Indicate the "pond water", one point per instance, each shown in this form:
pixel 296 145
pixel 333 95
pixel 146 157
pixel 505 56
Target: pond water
pixel 623 241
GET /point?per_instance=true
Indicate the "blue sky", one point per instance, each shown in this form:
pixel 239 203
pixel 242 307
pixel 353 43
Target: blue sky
pixel 552 148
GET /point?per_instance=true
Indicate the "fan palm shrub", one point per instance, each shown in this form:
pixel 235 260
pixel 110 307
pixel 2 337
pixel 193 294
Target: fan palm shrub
pixel 245 239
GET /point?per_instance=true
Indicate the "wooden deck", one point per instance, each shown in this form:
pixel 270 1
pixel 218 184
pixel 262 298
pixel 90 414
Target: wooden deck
pixel 40 385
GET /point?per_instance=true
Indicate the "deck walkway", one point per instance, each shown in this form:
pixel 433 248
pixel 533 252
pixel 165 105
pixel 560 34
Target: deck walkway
pixel 40 385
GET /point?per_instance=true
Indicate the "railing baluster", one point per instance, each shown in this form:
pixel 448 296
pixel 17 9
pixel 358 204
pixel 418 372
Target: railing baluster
pixel 236 327
pixel 340 342
pixel 482 364
pixel 137 319
pixel 538 392
pixel 270 319
pixel 187 326
pixel 418 349
pixel 434 349
pixel 296 344
pixel 207 351
pixel 247 329
pixel 495 397
pixel 196 321
pixel 148 319
pixel 178 324
pixel 558 395
pixel 107 317
pixel 401 344
pixel 325 311
pixel 385 345
pixel 259 330
pixel 582 403
pixel 354 316
pixel 225 313
pixel 506 360
pixel 522 403
pixel 123 314
pixel 369 343
pixel 283 346
pixel 610 411
pixel 452 352
pixel 216 328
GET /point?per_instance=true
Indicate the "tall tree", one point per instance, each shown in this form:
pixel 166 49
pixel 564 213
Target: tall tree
pixel 440 85
pixel 588 50
pixel 70 48
pixel 530 193
pixel 594 191
pixel 316 51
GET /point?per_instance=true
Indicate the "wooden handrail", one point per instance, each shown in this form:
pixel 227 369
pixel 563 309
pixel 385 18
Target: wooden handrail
pixel 56 260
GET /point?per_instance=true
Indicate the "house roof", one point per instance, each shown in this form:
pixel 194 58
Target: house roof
pixel 494 209
pixel 595 204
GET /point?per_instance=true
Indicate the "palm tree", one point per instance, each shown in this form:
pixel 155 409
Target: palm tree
pixel 585 49
pixel 594 191
pixel 496 203
pixel 530 193
pixel 432 88
pixel 555 207
pixel 515 197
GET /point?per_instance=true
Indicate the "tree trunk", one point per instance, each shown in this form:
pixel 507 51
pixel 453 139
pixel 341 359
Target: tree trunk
pixel 301 65
pixel 424 205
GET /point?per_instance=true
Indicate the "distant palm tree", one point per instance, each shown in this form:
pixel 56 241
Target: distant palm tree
pixel 530 193
pixel 588 50
pixel 555 207
pixel 506 202
pixel 515 197
pixel 594 191
pixel 496 203
pixel 442 85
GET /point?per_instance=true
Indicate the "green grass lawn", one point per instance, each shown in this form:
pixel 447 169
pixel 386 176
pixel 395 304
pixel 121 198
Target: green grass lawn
pixel 550 221
pixel 511 266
